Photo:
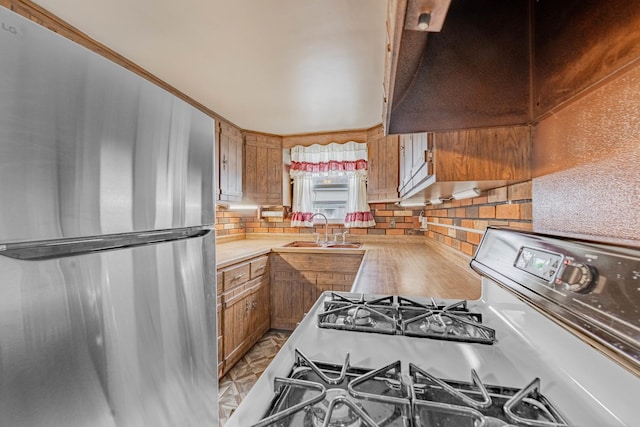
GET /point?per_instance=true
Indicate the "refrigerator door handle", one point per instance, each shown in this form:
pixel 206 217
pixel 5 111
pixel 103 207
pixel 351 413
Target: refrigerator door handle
pixel 57 248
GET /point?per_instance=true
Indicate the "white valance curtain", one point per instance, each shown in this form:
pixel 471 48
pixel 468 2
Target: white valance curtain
pixel 333 159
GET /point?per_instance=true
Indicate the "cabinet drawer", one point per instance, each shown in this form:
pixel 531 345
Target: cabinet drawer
pixel 236 275
pixel 259 266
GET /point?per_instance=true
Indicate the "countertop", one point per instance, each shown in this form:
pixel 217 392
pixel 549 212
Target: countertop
pixel 420 267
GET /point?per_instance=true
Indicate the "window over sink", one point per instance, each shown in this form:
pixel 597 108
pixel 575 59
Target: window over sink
pixel 330 179
pixel 330 195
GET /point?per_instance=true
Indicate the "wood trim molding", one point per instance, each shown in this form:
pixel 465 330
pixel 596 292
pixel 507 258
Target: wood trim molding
pixel 43 17
pixel 357 135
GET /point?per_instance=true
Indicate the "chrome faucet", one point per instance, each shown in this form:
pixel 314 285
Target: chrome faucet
pixel 326 225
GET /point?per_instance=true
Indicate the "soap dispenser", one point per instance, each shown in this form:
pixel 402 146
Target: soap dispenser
pixel 423 220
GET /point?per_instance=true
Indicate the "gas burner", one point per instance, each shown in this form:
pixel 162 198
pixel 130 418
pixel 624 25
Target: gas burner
pixel 406 303
pixel 328 395
pixel 449 325
pixel 403 316
pixel 451 403
pixel 374 315
pixel 340 413
pixel 385 301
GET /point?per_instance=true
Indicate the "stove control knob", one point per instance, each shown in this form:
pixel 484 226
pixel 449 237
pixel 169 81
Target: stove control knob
pixel 578 277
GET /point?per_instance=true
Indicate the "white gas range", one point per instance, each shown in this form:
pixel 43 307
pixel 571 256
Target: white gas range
pixel 369 360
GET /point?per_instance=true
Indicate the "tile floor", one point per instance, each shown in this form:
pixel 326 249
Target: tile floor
pixel 235 385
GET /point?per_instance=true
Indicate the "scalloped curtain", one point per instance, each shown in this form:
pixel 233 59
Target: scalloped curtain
pixel 333 159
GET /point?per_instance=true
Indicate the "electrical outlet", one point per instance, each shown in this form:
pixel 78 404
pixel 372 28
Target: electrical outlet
pixel 392 223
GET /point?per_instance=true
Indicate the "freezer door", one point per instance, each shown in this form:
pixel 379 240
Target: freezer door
pixel 88 147
pixel 112 338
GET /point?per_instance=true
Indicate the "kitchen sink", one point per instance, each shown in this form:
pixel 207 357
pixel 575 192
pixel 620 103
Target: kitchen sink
pixel 330 245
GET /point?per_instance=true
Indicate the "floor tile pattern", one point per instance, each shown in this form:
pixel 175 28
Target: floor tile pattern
pixel 235 385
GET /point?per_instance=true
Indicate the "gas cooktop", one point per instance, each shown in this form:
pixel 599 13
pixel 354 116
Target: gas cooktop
pixel 330 395
pixel 396 315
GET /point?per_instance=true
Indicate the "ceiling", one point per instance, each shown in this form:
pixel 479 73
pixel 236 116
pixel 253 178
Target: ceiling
pixel 275 66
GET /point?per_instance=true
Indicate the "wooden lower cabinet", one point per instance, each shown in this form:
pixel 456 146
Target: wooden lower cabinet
pixel 292 294
pixel 244 309
pixel 273 291
pixel 298 280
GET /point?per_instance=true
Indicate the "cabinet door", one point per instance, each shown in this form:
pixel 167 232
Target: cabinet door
pixel 415 163
pixel 297 280
pixel 263 169
pixel 382 181
pixel 274 177
pixel 230 163
pixel 419 148
pixel 419 168
pixel 406 162
pixel 236 306
pixel 375 163
pixel 260 309
pixel 292 294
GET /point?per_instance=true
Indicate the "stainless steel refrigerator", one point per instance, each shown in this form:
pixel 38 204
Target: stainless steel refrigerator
pixel 107 255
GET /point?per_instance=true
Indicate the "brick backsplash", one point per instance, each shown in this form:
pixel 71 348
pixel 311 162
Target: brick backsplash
pixel 390 219
pixel 508 206
pixel 450 222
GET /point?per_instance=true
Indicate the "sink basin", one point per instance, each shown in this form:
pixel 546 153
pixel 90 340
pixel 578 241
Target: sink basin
pixel 305 244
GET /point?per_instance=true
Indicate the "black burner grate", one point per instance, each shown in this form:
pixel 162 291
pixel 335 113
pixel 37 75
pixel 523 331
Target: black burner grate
pixel 325 394
pixel 403 316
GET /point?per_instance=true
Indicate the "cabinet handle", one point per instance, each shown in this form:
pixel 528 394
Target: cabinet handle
pixel 238 276
pixel 260 269
pixel 224 161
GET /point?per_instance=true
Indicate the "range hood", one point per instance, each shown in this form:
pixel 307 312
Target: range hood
pixel 474 72
pixel 501 62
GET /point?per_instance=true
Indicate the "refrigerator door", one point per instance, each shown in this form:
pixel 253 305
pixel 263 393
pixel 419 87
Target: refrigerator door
pixel 113 338
pixel 107 273
pixel 89 148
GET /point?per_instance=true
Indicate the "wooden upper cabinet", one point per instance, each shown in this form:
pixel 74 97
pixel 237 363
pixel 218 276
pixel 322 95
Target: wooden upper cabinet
pixel 483 154
pixel 229 162
pixel 415 164
pixel 263 169
pixel 442 163
pixel 382 181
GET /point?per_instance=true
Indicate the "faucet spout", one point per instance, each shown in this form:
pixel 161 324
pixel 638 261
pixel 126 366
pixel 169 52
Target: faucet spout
pixel 326 225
